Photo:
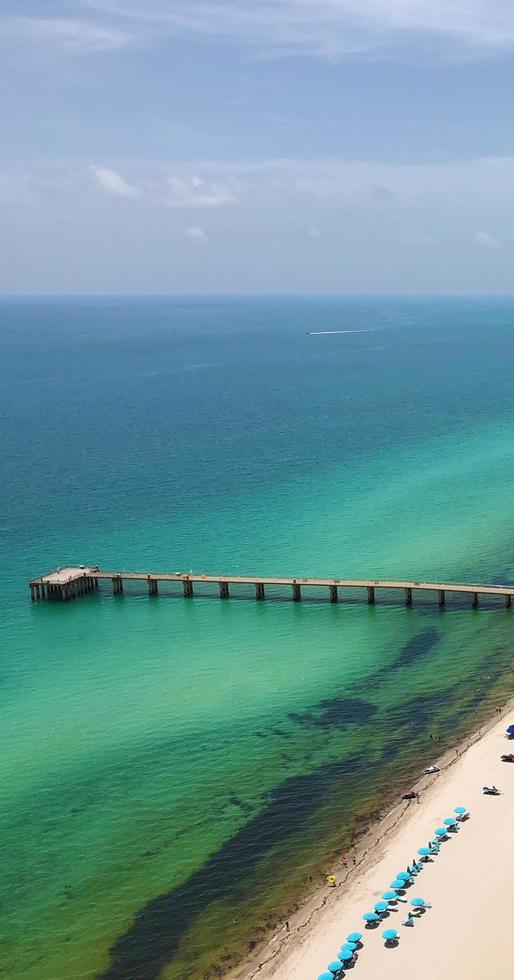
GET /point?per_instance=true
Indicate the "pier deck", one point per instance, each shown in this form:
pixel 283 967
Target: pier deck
pixel 73 581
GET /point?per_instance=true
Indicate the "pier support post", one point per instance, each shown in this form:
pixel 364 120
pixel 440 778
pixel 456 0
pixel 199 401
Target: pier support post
pixel 259 591
pixel 188 588
pixel 297 593
pixel 408 597
pixel 117 585
pixel 508 601
pixel 224 592
pixel 371 595
pixel 442 597
pixel 474 600
pixel 333 593
pixel 152 586
pixel 33 593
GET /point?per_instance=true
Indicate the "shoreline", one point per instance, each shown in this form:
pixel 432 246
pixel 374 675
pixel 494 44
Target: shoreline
pixel 367 852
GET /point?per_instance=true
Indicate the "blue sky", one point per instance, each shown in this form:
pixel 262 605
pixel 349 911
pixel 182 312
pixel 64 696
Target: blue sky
pixel 257 145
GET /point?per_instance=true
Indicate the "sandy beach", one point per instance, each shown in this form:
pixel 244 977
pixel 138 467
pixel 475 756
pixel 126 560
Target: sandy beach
pixel 469 885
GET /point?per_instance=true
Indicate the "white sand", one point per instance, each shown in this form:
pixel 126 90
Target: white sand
pixel 469 931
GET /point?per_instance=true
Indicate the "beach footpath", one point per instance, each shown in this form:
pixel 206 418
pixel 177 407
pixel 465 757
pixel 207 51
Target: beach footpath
pixel 467 932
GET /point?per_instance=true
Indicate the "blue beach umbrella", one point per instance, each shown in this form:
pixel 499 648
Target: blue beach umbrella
pixel 418 903
pixel 449 821
pixel 389 895
pixel 460 810
pixel 381 906
pixel 441 831
pixel 326 976
pixel 354 937
pixel 398 883
pixel 345 955
pixel 510 730
pixel 424 851
pixel 370 917
pixel 389 935
pixel 404 875
pixel 335 966
pixel 349 946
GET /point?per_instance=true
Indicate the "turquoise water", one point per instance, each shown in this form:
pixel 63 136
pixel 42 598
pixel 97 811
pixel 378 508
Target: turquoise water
pixel 175 772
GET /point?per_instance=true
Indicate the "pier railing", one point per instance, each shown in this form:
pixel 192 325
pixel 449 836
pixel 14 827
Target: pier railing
pixel 74 581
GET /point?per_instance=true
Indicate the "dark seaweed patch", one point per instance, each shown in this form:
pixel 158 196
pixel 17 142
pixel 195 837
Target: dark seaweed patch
pixel 420 645
pixel 280 732
pixel 158 929
pixel 336 713
pixel 156 935
pixel 417 712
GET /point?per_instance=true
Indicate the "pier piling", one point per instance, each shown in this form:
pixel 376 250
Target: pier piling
pixel 188 588
pixel 474 600
pixel 333 593
pixel 371 595
pixel 259 591
pixel 224 590
pixel 442 597
pixel 297 592
pixel 408 597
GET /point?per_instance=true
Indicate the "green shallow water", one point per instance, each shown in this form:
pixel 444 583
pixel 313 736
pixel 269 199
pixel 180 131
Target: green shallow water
pixel 174 772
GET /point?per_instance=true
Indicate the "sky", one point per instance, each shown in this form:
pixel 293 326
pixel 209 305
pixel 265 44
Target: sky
pixel 256 145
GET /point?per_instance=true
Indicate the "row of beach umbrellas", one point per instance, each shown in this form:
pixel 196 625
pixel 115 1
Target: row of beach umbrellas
pixel 353 941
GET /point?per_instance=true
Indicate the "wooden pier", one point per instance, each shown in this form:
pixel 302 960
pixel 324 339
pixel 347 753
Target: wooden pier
pixel 72 582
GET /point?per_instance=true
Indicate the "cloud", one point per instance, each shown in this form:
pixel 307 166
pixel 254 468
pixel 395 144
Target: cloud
pixel 113 183
pixel 460 191
pixel 196 234
pixel 195 192
pixel 484 240
pixel 78 36
pixel 327 28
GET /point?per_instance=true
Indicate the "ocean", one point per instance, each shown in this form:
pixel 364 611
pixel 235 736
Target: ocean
pixel 175 773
